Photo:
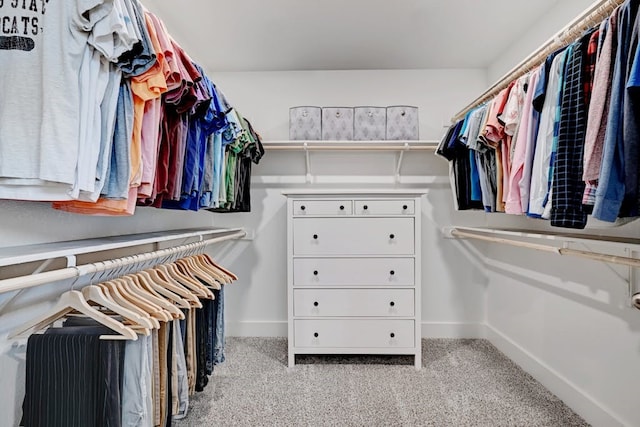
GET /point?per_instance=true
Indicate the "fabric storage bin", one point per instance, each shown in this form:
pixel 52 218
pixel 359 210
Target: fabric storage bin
pixel 369 123
pixel 402 122
pixel 305 123
pixel 337 123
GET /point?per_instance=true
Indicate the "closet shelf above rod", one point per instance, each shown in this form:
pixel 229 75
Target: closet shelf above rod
pixel 24 282
pixel 591 16
pixel 369 146
pixel 30 253
pixel 350 145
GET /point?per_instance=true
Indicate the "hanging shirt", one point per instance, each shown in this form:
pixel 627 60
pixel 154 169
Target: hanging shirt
pixel 631 128
pixel 38 161
pixel 518 181
pixel 511 118
pixel 547 133
pixel 566 208
pixel 611 181
pixel 599 110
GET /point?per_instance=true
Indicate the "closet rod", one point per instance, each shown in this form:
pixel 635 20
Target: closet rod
pixel 24 282
pixel 591 16
pixel 613 259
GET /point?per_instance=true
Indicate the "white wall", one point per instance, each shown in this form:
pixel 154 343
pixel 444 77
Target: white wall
pixel 550 23
pixel 259 305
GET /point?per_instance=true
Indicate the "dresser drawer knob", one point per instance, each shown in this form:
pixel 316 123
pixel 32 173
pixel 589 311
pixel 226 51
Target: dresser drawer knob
pixel 315 334
pixel 341 207
pixel 315 237
pixel 365 207
pixel 315 272
pixel 405 207
pixel 392 272
pixel 392 304
pixel 303 207
pixel 315 303
pixel 392 335
pixel 392 236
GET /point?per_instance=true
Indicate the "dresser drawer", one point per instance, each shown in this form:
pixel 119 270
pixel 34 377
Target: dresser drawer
pixel 384 207
pixel 354 333
pixel 353 302
pixel 322 207
pixel 353 236
pixel 353 272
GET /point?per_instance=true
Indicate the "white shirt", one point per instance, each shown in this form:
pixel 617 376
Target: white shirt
pixel 542 158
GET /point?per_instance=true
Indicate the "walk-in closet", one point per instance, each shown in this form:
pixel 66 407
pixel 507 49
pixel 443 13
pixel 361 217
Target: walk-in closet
pixel 320 213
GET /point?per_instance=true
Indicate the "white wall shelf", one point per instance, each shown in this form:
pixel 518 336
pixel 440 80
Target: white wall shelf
pixel 369 146
pixel 70 249
pixel 351 145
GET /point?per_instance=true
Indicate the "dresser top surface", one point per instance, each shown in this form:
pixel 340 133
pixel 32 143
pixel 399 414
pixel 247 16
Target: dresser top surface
pixel 301 192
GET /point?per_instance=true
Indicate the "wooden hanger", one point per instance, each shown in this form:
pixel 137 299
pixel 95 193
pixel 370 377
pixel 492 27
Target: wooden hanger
pixel 161 291
pixel 174 286
pixel 127 289
pixel 205 265
pixel 95 294
pixel 171 273
pixel 221 268
pixel 74 301
pixel 187 266
pixel 135 285
pixel 189 281
pixel 110 289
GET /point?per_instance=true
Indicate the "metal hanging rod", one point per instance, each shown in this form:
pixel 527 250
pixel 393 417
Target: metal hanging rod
pixel 591 16
pixel 24 282
pixel 598 256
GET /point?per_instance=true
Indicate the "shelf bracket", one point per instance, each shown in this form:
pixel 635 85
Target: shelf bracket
pixel 405 148
pixel 307 162
pixel 631 280
pixel 19 292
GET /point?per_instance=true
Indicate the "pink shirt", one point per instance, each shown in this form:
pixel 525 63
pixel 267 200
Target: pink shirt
pixel 525 141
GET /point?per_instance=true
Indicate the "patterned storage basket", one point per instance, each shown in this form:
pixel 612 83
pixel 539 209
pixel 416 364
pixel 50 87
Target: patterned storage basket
pixel 369 123
pixel 402 122
pixel 337 123
pixel 305 123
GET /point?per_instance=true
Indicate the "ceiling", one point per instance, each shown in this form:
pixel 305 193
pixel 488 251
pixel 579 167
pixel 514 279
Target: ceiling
pixel 278 35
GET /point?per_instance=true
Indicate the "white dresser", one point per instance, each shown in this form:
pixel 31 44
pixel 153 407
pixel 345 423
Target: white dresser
pixel 354 272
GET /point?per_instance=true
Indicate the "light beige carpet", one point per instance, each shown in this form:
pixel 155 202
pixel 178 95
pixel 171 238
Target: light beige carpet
pixel 462 383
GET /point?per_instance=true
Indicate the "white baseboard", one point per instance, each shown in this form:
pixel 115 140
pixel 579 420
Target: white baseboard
pixel 453 330
pixel 583 404
pixel 257 329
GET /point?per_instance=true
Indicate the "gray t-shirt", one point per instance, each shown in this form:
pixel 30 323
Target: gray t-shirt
pixel 40 57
